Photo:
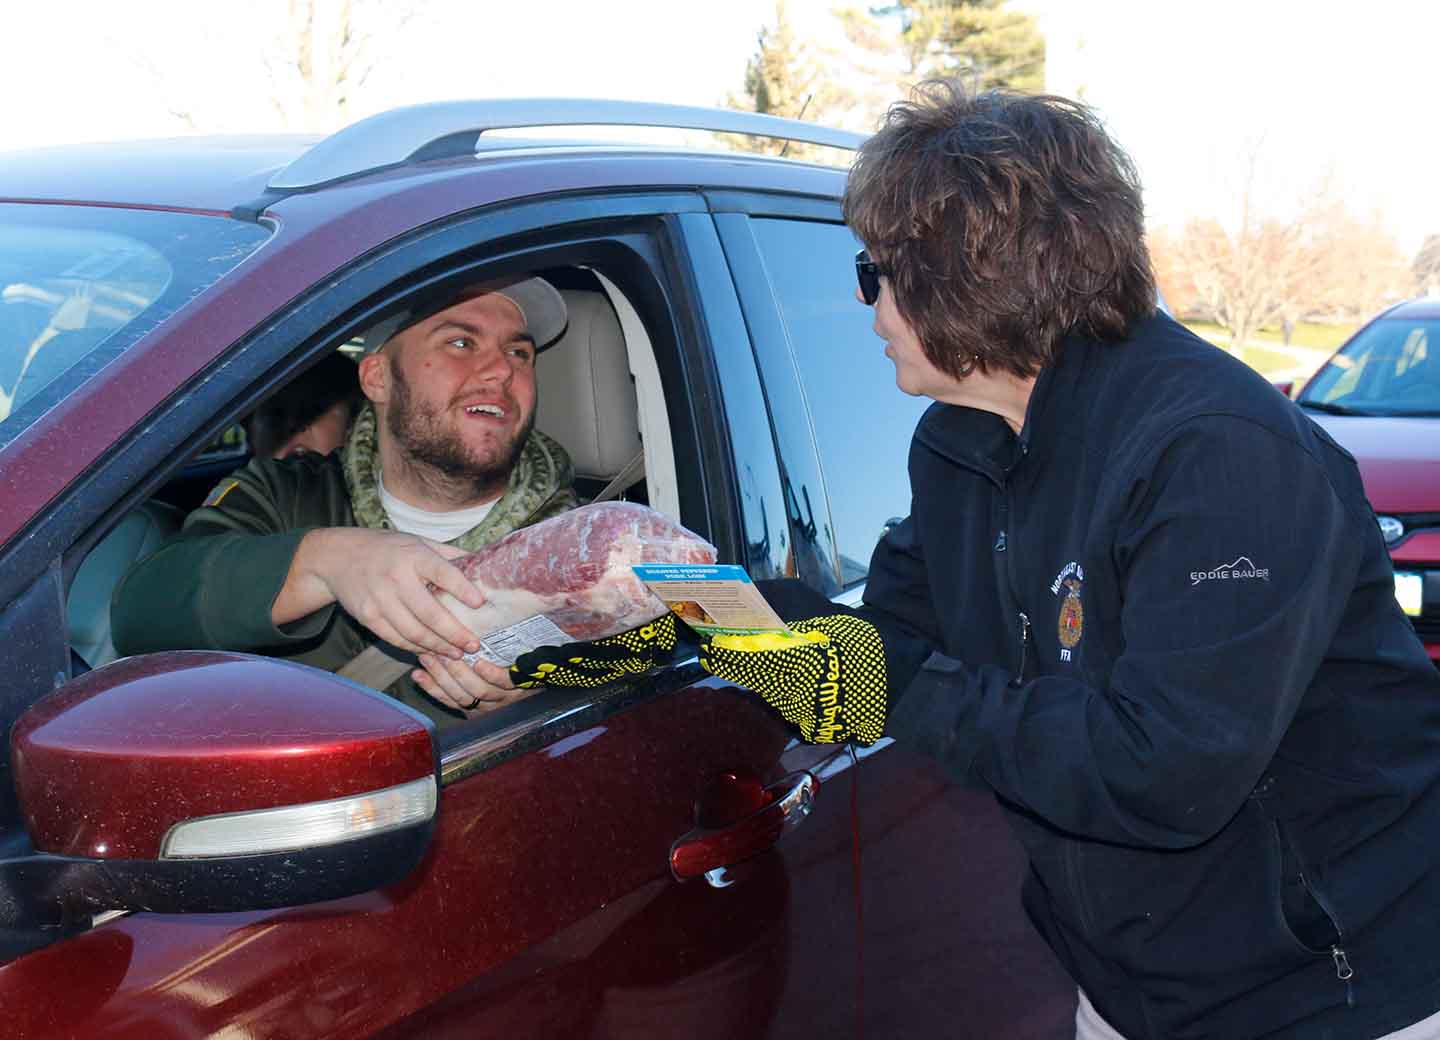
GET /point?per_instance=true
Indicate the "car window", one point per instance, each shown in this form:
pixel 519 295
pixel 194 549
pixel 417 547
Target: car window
pixel 1391 367
pixel 862 421
pixel 73 277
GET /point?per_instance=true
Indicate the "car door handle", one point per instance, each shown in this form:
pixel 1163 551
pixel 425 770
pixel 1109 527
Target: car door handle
pixel 707 851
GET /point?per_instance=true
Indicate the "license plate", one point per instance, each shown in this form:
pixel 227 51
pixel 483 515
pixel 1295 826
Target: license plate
pixel 1410 591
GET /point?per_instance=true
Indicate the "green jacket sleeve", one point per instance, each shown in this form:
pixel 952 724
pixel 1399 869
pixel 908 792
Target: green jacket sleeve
pixel 212 586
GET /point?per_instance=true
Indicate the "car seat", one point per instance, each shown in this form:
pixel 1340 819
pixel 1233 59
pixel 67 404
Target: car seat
pixel 138 534
pixel 587 398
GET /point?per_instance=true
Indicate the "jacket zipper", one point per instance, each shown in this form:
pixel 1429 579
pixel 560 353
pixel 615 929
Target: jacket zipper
pixel 1343 971
pixel 1002 545
pixel 1024 645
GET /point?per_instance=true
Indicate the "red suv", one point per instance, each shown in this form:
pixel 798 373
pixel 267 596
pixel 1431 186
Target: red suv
pixel 218 844
pixel 1379 396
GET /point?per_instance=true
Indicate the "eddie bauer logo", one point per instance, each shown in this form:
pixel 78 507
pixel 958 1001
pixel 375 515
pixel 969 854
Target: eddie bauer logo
pixel 1243 568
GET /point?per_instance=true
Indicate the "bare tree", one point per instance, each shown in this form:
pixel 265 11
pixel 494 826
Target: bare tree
pixel 323 54
pixel 1246 278
pixel 1172 277
pixel 1321 261
pixel 1361 267
pixel 1426 267
pixel 309 69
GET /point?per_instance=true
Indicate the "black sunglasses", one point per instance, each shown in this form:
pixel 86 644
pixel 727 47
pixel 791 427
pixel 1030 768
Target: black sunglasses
pixel 868 273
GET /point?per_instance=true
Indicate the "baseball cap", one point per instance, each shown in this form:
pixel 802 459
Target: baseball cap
pixel 540 303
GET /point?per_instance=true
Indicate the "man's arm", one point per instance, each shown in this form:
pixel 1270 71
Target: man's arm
pixel 259 567
pixel 386 581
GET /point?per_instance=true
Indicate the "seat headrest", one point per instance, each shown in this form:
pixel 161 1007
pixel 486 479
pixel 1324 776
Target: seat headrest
pixel 587 398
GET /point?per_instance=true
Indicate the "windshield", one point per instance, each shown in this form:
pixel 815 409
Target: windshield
pixel 1391 367
pixel 79 283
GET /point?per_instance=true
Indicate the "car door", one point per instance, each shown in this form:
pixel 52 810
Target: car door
pixel 546 904
pixel 947 950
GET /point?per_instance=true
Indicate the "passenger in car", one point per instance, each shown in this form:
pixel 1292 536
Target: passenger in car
pixel 1139 596
pixel 312 557
pixel 311 414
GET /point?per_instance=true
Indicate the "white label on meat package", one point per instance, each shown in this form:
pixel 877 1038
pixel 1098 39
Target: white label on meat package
pixel 504 645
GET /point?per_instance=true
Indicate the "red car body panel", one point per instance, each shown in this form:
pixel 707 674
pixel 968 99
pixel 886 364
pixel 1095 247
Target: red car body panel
pixel 1420 547
pixel 1399 459
pixel 917 824
pixel 522 852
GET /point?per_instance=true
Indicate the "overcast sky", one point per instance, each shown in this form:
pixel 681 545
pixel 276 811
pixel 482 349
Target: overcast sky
pixel 1186 87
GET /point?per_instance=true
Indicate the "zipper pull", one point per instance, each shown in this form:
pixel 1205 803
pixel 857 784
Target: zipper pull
pixel 1024 646
pixel 1000 542
pixel 1343 971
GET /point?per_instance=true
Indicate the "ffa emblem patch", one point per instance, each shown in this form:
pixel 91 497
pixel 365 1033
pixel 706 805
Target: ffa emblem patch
pixel 1072 617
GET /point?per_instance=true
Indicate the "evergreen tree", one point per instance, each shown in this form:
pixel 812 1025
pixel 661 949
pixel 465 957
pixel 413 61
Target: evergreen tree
pixel 979 40
pixel 784 78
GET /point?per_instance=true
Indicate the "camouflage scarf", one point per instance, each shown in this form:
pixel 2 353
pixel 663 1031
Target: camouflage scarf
pixel 540 485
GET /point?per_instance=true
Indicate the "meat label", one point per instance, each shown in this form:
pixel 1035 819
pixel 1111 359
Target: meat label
pixel 713 599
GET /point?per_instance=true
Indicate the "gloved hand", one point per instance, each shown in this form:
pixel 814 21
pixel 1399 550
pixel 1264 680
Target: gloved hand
pixel 598 662
pixel 828 676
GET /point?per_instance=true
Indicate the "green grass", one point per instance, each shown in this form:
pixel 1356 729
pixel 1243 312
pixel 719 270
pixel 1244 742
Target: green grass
pixel 1310 344
pixel 1268 361
pixel 1309 334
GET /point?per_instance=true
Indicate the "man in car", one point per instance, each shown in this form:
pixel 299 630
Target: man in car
pixel 311 414
pixel 313 557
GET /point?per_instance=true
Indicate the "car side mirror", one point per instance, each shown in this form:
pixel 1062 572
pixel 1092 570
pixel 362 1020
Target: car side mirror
pixel 207 782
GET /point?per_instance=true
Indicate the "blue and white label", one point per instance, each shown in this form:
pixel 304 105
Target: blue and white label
pixel 648 572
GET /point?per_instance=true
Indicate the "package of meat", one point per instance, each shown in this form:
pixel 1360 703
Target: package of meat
pixel 569 578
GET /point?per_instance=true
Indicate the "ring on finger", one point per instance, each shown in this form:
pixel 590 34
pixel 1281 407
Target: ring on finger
pixel 472 705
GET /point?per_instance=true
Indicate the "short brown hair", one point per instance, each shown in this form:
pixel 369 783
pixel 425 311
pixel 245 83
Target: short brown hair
pixel 333 380
pixel 1004 222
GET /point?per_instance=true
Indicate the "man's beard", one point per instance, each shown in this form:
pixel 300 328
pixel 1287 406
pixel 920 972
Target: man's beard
pixel 438 457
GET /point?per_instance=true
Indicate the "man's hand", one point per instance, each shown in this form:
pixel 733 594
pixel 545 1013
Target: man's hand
pixel 600 661
pixel 474 690
pixel 828 676
pixel 386 581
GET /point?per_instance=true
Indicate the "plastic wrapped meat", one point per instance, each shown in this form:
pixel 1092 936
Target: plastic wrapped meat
pixel 568 578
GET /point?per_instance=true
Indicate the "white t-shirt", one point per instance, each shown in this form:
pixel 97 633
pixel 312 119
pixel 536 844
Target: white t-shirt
pixel 439 527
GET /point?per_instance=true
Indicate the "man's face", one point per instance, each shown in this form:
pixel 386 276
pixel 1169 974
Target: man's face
pixel 460 394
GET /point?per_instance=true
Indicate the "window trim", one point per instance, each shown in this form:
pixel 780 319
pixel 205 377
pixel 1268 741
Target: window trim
pixel 797 441
pixel 809 517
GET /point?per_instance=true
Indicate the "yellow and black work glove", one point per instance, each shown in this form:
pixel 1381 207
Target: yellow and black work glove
pixel 600 661
pixel 828 676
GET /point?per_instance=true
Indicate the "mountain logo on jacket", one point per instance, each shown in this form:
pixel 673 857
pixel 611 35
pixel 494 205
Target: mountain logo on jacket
pixel 1242 569
pixel 1071 624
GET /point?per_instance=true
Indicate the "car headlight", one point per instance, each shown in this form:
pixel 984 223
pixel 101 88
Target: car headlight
pixel 1391 530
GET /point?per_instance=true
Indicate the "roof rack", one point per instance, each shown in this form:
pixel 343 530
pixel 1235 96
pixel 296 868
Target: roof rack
pixel 444 129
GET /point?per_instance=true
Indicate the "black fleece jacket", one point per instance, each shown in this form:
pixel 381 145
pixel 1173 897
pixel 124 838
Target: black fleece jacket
pixel 1165 635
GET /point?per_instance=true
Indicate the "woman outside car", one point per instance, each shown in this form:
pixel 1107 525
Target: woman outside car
pixel 1139 596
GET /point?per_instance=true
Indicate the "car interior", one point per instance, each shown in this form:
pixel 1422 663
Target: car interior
pixel 599 395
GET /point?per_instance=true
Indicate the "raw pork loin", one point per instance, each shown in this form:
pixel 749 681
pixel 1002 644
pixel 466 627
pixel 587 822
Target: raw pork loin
pixel 573 571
